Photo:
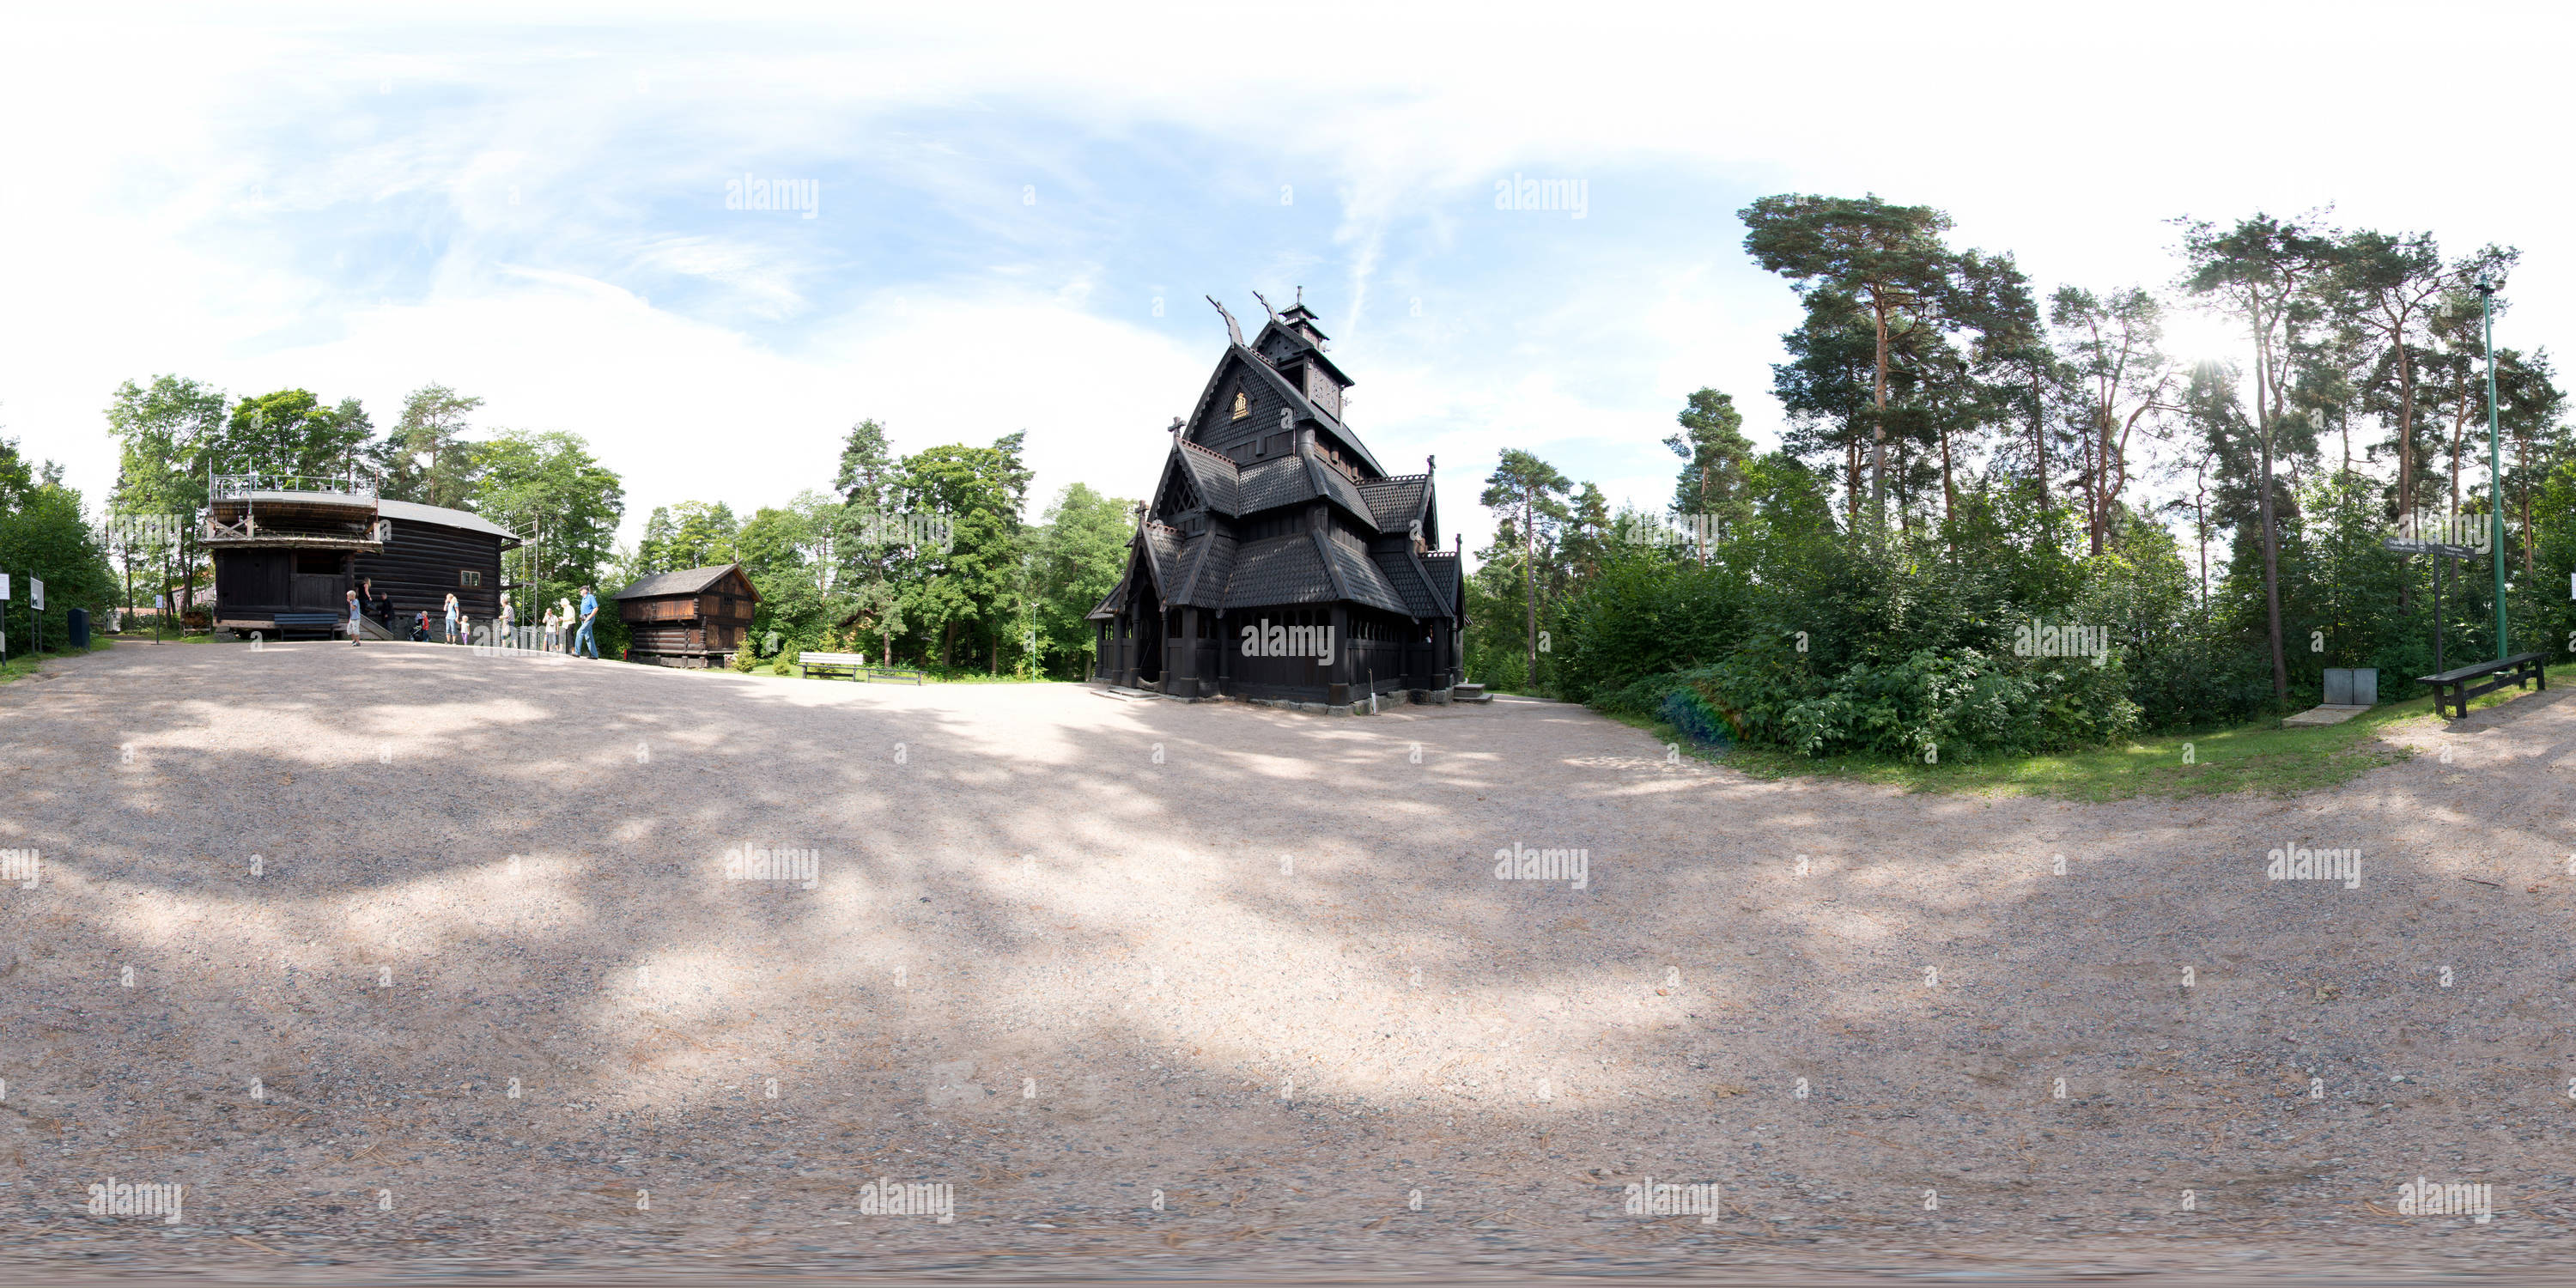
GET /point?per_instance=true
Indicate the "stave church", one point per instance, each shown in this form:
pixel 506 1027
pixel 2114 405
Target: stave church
pixel 1278 559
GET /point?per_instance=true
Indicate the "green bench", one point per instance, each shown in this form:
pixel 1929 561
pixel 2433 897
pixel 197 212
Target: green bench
pixel 854 665
pixel 2453 689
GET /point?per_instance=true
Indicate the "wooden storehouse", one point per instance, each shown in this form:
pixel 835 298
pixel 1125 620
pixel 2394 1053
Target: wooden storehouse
pixel 286 556
pixel 696 617
pixel 1277 558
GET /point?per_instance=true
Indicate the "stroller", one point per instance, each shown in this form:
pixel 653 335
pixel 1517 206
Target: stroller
pixel 420 628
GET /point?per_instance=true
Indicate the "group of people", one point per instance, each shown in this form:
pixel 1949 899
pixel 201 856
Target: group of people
pixel 559 619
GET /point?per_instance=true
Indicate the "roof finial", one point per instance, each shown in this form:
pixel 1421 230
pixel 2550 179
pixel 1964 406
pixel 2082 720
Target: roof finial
pixel 1176 426
pixel 1232 332
pixel 1265 306
pixel 1301 295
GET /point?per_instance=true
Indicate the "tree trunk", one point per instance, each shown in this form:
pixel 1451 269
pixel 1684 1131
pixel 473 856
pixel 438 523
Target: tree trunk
pixel 2039 436
pixel 2264 411
pixel 2405 431
pixel 1851 483
pixel 2110 486
pixel 1878 422
pixel 1529 576
pixel 2459 434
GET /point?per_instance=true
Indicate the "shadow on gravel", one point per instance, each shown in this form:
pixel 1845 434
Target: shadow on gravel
pixel 1064 951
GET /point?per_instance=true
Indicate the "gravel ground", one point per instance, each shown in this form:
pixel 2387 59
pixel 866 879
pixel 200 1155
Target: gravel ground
pixel 1164 990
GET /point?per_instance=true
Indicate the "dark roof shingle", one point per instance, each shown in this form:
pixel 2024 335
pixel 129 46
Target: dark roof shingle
pixel 687 581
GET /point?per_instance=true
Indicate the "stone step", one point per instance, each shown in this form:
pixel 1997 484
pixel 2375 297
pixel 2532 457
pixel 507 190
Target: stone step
pixel 1469 693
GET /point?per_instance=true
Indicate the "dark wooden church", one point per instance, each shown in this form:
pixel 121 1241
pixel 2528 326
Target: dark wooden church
pixel 1277 558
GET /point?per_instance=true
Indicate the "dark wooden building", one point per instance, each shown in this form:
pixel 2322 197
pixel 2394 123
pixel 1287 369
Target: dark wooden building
pixel 1278 559
pixel 293 552
pixel 695 617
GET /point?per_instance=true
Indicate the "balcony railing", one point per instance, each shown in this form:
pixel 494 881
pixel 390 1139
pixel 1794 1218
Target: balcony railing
pixel 232 485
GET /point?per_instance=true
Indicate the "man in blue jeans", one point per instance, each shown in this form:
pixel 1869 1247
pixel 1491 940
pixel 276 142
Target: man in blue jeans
pixel 589 610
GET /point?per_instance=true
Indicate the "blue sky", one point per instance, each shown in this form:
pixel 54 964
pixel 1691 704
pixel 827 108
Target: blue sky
pixel 534 211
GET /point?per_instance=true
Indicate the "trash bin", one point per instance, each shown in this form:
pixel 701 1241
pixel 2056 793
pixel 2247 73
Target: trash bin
pixel 2356 686
pixel 80 628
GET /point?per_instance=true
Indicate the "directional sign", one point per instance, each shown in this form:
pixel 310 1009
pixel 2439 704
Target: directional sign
pixel 4 586
pixel 36 593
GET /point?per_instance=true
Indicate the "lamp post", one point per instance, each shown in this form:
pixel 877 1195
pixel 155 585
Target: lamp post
pixel 2495 466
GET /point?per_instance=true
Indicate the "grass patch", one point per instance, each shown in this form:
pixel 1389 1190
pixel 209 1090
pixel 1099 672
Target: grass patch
pixel 21 665
pixel 2260 757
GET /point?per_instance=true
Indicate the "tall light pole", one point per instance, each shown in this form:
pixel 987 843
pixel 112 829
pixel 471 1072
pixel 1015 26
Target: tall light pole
pixel 2495 465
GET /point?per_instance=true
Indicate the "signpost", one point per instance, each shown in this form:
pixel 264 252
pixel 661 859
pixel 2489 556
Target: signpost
pixel 35 615
pixel 2442 552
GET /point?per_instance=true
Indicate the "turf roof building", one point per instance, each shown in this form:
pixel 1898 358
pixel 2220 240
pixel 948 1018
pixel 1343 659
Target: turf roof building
pixel 1277 558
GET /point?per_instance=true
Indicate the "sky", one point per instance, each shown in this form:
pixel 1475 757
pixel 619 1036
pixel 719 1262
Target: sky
pixel 1016 211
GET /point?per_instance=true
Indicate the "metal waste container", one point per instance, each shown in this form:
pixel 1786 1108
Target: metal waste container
pixel 80 628
pixel 2355 686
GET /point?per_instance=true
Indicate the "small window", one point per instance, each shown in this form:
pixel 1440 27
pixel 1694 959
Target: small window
pixel 1242 406
pixel 469 577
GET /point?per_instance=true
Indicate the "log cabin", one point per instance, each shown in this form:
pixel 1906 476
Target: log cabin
pixel 286 550
pixel 1277 558
pixel 696 617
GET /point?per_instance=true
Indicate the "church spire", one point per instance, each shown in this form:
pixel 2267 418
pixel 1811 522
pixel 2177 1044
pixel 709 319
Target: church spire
pixel 1301 320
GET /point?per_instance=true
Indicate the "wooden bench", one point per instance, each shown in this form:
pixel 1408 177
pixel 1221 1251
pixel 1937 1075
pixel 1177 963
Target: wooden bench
pixel 2453 689
pixel 854 665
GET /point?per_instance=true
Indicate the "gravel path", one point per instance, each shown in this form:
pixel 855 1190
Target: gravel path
pixel 1165 990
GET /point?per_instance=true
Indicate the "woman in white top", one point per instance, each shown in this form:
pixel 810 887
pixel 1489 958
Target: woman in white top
pixel 509 620
pixel 547 642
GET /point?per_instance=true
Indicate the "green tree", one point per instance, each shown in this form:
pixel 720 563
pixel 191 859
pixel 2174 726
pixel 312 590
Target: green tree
pixel 167 433
pixel 1529 494
pixel 2108 349
pixel 775 547
pixel 1078 551
pixel 1887 259
pixel 427 458
pixel 2381 292
pixel 1714 452
pixel 2267 273
pixel 43 536
pixel 565 505
pixel 692 534
pixel 290 435
pixel 972 581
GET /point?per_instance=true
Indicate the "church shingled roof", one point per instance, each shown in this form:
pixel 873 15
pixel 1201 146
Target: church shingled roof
pixel 1279 570
pixel 1206 564
pixel 1214 474
pixel 1359 577
pixel 1396 502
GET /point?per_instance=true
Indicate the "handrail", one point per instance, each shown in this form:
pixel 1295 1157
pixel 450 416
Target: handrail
pixel 232 485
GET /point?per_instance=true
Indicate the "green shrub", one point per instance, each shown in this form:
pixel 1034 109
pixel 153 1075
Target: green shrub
pixel 786 663
pixel 745 661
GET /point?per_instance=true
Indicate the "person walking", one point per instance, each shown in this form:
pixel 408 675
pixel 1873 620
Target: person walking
pixel 453 625
pixel 509 620
pixel 553 632
pixel 356 608
pixel 588 635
